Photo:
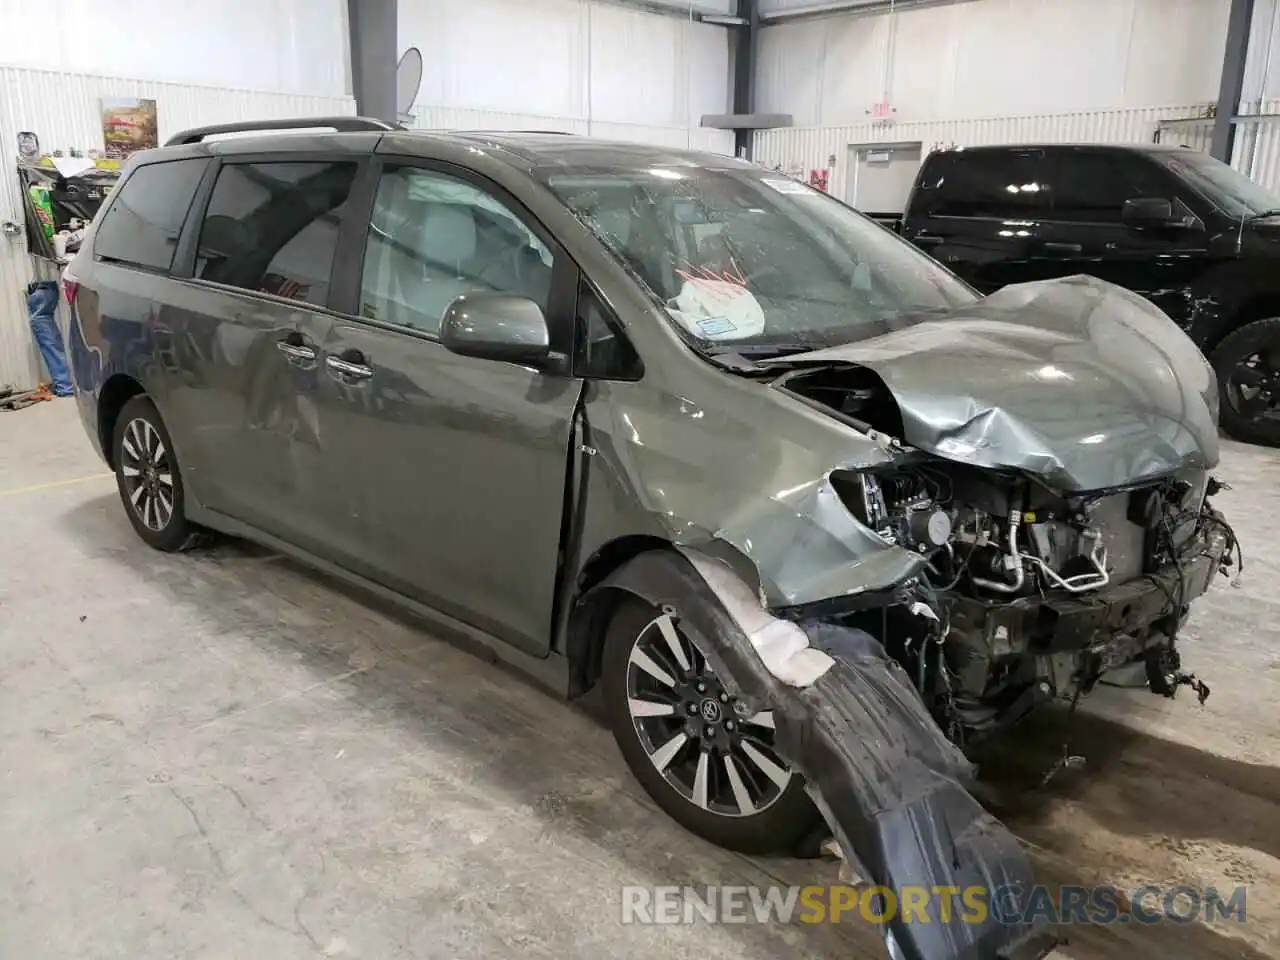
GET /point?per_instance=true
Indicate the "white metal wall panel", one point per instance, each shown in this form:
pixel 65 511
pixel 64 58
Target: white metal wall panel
pixel 292 45
pixel 580 59
pixel 684 138
pixel 722 7
pixel 63 109
pixel 775 7
pixel 993 58
pixel 1264 149
pixel 799 150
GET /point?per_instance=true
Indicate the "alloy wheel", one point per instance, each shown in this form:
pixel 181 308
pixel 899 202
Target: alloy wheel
pixel 695 732
pixel 148 474
pixel 1253 388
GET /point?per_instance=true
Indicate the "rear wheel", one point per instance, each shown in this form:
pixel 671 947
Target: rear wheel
pixel 148 478
pixel 712 769
pixel 1248 366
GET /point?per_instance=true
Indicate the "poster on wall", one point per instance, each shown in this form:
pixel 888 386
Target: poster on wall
pixel 818 179
pixel 128 125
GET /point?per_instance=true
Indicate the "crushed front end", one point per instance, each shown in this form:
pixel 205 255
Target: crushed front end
pixel 1013 500
pixel 1028 594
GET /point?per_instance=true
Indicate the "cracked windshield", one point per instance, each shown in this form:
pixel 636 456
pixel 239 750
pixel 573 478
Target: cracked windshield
pixel 755 263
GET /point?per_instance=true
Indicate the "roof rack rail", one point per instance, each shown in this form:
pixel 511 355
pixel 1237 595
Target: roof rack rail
pixel 340 124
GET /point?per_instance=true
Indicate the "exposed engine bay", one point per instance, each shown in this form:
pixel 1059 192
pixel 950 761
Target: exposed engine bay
pixel 1028 593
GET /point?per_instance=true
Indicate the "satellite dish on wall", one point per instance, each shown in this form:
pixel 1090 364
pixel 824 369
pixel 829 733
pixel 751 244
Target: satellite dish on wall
pixel 408 80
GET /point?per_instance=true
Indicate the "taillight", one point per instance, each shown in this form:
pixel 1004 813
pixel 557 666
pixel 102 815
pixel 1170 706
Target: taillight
pixel 70 286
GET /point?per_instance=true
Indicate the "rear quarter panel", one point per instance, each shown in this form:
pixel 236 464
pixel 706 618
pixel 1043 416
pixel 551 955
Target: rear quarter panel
pixel 110 333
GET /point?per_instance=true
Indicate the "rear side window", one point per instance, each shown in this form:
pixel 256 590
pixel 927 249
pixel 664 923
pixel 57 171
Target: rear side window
pixel 142 224
pixel 995 184
pixel 1092 186
pixel 273 227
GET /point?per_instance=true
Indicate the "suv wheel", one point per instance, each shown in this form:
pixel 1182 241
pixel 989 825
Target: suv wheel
pixel 1247 362
pixel 148 478
pixel 713 770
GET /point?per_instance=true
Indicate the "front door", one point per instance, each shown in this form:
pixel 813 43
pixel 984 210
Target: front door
pixel 245 336
pixel 453 469
pixel 1085 232
pixel 979 214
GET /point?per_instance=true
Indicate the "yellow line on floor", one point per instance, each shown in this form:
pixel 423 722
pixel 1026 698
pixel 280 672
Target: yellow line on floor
pixel 37 487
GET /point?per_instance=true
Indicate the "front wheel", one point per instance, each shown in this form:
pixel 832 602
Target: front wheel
pixel 147 477
pixel 712 769
pixel 1247 363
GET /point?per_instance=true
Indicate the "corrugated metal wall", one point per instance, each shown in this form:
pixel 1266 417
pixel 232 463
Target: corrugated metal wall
pixel 800 149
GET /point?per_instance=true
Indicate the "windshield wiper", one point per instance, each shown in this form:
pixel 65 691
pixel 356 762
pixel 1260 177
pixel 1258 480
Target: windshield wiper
pixel 741 358
pixel 761 351
pixel 1266 213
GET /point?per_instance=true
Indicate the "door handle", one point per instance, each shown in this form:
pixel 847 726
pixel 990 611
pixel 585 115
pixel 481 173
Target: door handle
pixel 1053 247
pixel 349 365
pixel 295 348
pixel 928 240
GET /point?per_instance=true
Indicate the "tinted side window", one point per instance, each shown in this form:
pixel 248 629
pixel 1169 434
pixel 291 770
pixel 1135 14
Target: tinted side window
pixel 985 184
pixel 434 238
pixel 273 227
pixel 1091 187
pixel 142 224
pixel 603 351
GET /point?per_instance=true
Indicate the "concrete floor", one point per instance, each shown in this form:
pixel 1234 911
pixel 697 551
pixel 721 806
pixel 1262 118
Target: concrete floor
pixel 222 755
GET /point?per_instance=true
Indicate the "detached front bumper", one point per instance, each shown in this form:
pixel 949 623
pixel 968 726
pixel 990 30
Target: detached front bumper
pixel 889 784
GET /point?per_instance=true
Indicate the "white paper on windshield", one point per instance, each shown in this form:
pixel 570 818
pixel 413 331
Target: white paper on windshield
pixel 786 186
pixel 718 310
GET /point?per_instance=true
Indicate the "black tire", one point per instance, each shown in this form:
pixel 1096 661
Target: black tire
pixel 1235 350
pixel 783 825
pixel 143 454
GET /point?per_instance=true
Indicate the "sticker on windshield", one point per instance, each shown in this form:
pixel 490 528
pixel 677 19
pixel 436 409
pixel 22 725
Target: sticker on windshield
pixel 712 327
pixel 786 186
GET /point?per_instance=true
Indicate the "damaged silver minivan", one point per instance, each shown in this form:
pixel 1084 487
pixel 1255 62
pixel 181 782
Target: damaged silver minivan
pixel 817 519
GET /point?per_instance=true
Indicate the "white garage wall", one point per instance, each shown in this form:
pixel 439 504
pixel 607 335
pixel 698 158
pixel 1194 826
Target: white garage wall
pixel 295 46
pixel 995 58
pixel 1262 74
pixel 573 65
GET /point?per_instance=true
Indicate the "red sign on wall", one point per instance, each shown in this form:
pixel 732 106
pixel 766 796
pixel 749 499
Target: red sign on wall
pixel 818 179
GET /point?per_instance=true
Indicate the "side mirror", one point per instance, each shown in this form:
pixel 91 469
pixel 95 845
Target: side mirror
pixel 496 326
pixel 1149 212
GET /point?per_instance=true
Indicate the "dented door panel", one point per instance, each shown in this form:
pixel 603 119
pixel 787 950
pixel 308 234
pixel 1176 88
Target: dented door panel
pixel 242 388
pixel 450 477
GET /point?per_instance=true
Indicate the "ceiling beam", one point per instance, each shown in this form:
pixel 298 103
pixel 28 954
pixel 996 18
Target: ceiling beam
pixel 848 8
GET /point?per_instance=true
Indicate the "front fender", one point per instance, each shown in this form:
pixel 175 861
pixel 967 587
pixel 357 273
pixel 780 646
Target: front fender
pixel 887 781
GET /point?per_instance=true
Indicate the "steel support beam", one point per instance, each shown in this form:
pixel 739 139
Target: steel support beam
pixel 1239 26
pixel 746 52
pixel 371 38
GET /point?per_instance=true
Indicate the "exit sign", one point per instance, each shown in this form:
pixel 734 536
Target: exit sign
pixel 881 111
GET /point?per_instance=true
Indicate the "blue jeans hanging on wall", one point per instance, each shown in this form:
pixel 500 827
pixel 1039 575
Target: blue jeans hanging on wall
pixel 42 308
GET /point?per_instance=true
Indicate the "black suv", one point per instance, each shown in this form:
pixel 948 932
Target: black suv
pixel 1189 233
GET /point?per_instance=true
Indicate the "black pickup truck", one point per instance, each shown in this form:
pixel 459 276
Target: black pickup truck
pixel 1187 232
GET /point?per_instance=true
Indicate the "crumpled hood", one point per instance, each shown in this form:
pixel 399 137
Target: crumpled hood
pixel 1077 381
